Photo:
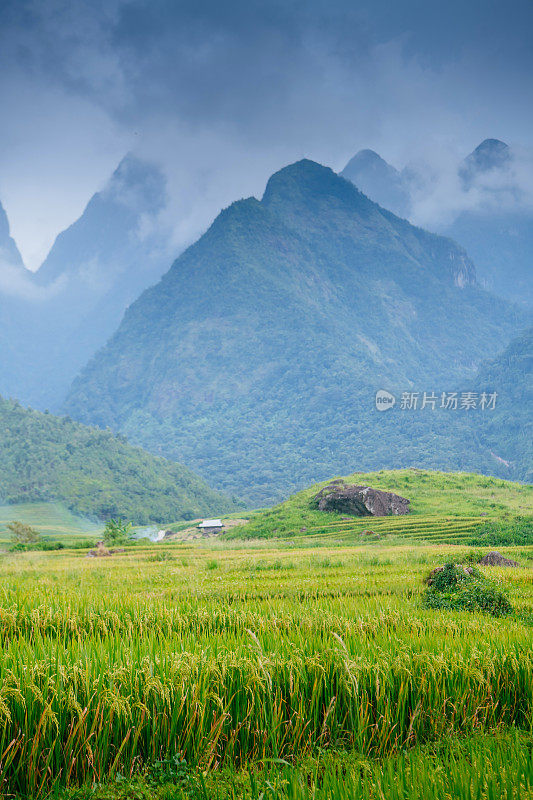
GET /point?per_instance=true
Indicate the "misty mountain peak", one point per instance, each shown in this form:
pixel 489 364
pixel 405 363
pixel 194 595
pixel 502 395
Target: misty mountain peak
pixel 4 224
pixel 136 182
pixel 305 179
pixel 108 231
pixel 378 180
pixel 368 159
pixel 489 155
pixel 491 152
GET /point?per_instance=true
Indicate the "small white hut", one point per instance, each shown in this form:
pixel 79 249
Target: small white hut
pixel 211 526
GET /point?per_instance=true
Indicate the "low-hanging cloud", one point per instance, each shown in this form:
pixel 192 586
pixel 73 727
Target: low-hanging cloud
pixel 438 193
pixel 17 284
pixel 220 96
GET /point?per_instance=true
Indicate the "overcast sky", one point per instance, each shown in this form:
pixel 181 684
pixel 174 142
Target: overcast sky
pixel 224 93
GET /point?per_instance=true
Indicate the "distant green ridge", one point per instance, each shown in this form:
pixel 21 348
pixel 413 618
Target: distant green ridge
pixel 93 472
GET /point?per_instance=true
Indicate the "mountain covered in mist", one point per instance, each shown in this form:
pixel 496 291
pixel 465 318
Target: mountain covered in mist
pixel 257 356
pixel 493 219
pixel 48 458
pixel 379 180
pixel 490 155
pixel 9 252
pixel 15 282
pixel 498 233
pixel 75 301
pixel 116 243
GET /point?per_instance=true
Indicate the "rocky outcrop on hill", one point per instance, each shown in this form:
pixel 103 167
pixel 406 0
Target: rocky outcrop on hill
pixel 360 501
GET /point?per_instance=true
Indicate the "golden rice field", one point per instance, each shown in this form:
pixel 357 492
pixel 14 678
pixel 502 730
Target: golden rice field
pixel 260 670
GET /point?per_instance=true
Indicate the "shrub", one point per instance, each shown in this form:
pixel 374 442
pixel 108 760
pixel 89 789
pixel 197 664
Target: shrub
pixel 41 545
pixel 82 544
pixel 456 590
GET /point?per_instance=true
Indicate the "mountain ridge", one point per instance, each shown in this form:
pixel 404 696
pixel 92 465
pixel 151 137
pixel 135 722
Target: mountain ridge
pixel 9 252
pixel 493 219
pixel 269 336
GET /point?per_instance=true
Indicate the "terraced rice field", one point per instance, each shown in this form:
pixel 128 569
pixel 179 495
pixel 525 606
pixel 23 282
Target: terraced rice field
pixel 429 528
pixel 307 671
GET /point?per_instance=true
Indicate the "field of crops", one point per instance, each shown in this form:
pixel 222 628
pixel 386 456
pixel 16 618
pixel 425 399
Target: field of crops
pixel 249 670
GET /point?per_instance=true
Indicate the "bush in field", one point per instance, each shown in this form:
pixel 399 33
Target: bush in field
pixel 117 532
pixel 43 545
pixel 456 590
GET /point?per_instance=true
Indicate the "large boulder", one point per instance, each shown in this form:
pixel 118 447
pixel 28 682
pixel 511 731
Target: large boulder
pixel 495 559
pixel 359 501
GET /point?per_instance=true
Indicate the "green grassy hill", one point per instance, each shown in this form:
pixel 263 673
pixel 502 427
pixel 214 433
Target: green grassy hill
pixel 45 458
pixel 441 503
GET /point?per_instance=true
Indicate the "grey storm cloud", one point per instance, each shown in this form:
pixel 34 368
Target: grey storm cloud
pixel 222 94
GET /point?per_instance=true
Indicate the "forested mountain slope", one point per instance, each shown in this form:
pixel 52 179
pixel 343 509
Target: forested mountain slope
pixel 256 358
pixel 43 457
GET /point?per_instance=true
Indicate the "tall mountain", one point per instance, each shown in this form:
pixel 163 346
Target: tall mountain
pixel 257 356
pixel 45 458
pixel 493 219
pixel 114 240
pixel 95 268
pixel 379 180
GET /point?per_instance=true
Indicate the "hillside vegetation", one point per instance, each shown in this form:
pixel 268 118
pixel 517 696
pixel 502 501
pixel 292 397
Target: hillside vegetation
pixel 52 520
pixel 93 472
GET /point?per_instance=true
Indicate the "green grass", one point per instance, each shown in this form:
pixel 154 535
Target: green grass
pixel 485 767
